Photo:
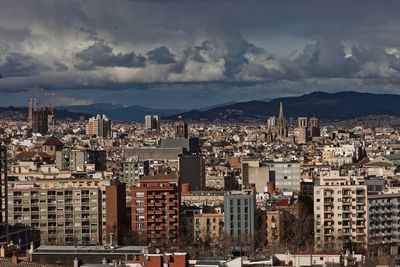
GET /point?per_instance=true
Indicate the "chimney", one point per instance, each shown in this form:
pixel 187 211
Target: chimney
pixel 31 249
pixel 76 262
pixel 14 259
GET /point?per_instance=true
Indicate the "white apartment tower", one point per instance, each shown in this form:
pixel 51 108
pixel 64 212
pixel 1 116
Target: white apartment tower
pixel 99 126
pixel 152 122
pixel 340 212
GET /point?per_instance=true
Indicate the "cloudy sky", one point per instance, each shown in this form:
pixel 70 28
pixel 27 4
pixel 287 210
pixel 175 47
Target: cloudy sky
pixel 191 54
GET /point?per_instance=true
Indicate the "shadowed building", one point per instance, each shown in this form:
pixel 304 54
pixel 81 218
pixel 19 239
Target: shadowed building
pixel 116 211
pixel 239 211
pixel 192 170
pixel 3 190
pixel 181 129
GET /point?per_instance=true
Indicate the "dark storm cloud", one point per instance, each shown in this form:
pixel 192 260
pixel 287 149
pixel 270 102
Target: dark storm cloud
pixel 119 46
pixel 325 58
pixel 15 64
pixel 102 55
pixel 161 55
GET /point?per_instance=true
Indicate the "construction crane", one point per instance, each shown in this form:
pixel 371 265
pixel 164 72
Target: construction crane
pixel 48 102
pixel 36 99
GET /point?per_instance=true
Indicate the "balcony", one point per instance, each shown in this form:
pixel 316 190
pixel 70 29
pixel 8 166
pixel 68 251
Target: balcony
pixel 172 211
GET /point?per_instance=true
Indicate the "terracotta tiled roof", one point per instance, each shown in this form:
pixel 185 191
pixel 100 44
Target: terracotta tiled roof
pixel 28 155
pixel 53 141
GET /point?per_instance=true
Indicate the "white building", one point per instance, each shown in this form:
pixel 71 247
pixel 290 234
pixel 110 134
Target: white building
pixel 340 212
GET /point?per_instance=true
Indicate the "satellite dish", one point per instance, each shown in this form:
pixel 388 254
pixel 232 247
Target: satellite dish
pixel 157 251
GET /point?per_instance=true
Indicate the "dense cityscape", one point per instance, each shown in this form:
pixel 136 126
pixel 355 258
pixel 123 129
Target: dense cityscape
pixel 199 133
pixel 177 193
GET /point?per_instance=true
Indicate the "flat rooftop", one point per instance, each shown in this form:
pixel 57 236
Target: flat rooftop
pixel 91 250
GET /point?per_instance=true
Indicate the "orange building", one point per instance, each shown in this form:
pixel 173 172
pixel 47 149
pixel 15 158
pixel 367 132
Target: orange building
pixel 155 208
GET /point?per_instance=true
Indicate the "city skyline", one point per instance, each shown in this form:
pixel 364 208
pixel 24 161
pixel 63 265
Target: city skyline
pixel 96 52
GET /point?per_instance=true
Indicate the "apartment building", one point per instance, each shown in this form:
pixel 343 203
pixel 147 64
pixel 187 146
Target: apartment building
pixel 285 174
pixel 155 208
pixel 134 170
pixel 116 211
pixel 3 185
pixel 203 225
pixel 99 126
pixel 64 215
pixel 340 212
pixel 274 226
pixel 239 210
pixel 384 224
pixel 152 122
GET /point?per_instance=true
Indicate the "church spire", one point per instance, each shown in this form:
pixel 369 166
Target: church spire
pixel 281 116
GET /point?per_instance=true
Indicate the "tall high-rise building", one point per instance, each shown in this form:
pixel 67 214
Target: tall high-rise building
pixel 99 126
pixel 181 129
pixel 340 212
pixel 156 207
pixel 116 211
pixel 192 170
pixel 3 189
pixel 152 123
pixel 383 226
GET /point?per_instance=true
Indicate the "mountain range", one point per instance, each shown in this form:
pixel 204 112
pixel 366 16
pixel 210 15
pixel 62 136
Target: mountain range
pixel 22 113
pixel 120 112
pixel 330 106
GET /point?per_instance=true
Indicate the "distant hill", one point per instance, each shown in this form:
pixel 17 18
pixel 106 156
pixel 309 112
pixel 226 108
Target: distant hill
pixel 22 113
pixel 341 105
pixel 120 112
